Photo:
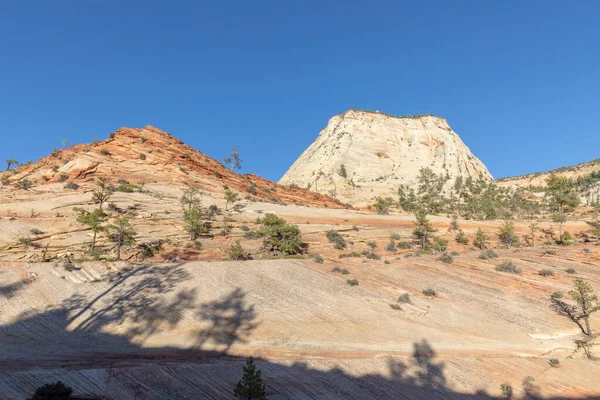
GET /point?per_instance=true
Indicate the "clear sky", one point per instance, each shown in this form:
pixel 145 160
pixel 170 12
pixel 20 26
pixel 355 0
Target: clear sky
pixel 519 81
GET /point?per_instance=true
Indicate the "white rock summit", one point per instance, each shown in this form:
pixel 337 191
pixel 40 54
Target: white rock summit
pixel 380 152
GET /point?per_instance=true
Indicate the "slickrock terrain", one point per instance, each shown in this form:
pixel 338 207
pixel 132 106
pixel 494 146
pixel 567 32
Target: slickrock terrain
pixel 365 316
pixel 588 175
pixel 362 154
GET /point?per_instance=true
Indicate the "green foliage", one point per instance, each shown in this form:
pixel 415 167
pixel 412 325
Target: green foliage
pixel 371 255
pixel 372 244
pixel 53 391
pixel 506 234
pixel 318 259
pixel 461 238
pixel 508 266
pixel 342 171
pixel 429 292
pixel 554 362
pixel 234 160
pixel 382 206
pixel 404 245
pixel 280 236
pixel 546 272
pixel 36 231
pixel 104 191
pixel 251 385
pixel 557 295
pixel 506 389
pixel 71 185
pixel 337 239
pixel 391 246
pixel 24 184
pixel 230 197
pixel 352 282
pixel 560 194
pixel 26 241
pixel 105 152
pixel 423 228
pixel 404 298
pixel 566 238
pixel 485 254
pixel 121 234
pixel 570 271
pixel 439 244
pixel 237 252
pixel 92 219
pixel 252 189
pixel 447 258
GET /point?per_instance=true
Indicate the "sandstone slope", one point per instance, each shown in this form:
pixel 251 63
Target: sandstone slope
pixel 538 180
pixel 379 153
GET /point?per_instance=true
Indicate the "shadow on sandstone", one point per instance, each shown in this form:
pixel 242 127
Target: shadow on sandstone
pixel 70 342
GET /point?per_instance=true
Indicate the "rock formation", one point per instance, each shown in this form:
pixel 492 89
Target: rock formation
pixel 377 153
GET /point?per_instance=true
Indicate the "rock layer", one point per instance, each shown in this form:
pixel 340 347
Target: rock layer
pixel 379 153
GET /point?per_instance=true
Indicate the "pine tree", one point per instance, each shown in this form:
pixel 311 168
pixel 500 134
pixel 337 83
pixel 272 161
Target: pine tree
pixel 251 385
pixel 105 190
pixel 121 233
pixel 423 228
pixel 560 194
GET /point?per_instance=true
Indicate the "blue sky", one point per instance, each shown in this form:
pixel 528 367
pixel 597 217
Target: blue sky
pixel 517 80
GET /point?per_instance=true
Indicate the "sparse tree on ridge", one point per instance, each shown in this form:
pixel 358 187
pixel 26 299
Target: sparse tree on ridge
pixel 234 160
pixel 10 162
pixel 104 191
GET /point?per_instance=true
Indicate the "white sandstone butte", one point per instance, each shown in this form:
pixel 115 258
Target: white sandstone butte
pixel 380 152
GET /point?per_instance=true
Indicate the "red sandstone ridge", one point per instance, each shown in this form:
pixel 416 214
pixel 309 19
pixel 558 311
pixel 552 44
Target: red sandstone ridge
pixel 151 155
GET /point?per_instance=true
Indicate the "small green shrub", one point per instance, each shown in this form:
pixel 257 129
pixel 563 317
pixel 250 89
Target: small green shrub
pixel 557 295
pixel 63 177
pixel 244 228
pixel 71 185
pixel 404 245
pixel 319 259
pixel 546 272
pixel 391 246
pixel 554 362
pixel 508 266
pixel 371 255
pixel 429 292
pixel 447 258
pixel 352 282
pixel 237 252
pixel 395 306
pixel 461 237
pixel 404 298
pixel 337 239
pixel 394 236
pixel 372 244
pixel 550 252
pixel 105 152
pixel 439 244
pixel 570 271
pixel 24 184
pixel 36 231
pixel 506 389
pixel 586 250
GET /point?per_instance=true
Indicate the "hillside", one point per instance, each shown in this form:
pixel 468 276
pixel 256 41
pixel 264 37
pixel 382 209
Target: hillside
pixel 149 169
pixel 360 155
pixel 588 175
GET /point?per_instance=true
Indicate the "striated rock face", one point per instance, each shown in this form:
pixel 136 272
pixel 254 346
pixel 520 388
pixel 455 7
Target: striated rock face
pixel 379 153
